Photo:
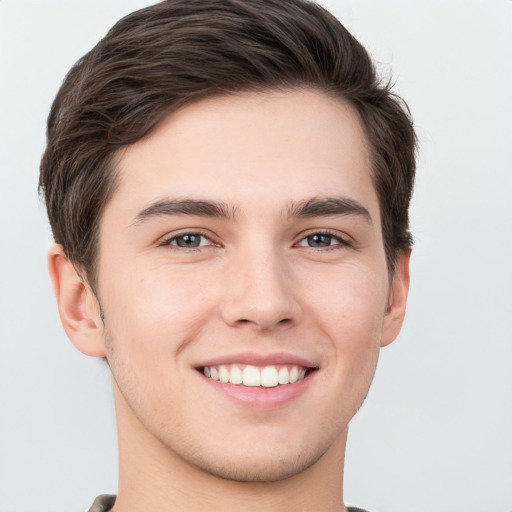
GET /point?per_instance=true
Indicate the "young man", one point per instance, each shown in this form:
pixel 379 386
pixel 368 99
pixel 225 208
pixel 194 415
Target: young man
pixel 228 186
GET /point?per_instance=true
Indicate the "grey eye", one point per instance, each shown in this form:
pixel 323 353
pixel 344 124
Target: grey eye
pixel 319 240
pixel 189 240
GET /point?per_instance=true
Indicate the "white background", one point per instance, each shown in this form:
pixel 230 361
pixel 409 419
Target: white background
pixel 435 434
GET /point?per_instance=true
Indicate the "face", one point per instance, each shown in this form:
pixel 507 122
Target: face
pixel 243 281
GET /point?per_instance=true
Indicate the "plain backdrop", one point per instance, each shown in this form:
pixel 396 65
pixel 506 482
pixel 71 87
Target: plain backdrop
pixel 435 433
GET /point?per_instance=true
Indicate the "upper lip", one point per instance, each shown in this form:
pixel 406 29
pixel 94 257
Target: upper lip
pixel 256 359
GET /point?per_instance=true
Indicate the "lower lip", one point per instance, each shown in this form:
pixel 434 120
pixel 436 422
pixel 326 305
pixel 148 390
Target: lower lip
pixel 258 396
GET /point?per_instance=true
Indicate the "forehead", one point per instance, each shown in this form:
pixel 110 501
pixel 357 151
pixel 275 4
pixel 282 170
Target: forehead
pixel 252 148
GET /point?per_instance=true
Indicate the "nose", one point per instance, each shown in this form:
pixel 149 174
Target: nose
pixel 260 292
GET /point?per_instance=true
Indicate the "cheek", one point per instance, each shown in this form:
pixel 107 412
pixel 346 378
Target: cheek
pixel 147 321
pixel 350 311
pixel 352 303
pixel 153 312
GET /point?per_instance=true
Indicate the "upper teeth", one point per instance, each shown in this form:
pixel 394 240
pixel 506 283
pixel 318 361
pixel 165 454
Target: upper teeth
pixel 267 376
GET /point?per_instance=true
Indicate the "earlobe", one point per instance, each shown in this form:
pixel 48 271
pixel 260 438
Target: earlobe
pixel 398 292
pixel 78 306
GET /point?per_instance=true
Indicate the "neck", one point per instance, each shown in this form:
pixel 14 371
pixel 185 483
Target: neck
pixel 151 477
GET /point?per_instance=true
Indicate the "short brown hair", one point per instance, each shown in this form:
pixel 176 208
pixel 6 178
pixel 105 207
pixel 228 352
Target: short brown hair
pixel 160 58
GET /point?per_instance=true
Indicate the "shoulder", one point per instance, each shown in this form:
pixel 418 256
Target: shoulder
pixel 104 503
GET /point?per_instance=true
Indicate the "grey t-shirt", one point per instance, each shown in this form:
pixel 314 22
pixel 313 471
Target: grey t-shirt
pixel 105 502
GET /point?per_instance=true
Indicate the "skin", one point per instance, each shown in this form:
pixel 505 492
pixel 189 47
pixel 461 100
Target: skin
pixel 259 283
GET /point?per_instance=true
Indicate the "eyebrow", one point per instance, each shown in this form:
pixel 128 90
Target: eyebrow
pixel 198 207
pixel 328 206
pixel 313 207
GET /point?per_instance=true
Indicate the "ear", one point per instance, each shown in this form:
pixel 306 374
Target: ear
pixel 79 308
pixel 397 302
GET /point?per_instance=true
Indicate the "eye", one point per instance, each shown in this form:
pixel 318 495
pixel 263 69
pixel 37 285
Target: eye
pixel 188 241
pixel 321 240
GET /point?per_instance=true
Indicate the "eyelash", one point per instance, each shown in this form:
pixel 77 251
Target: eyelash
pixel 341 242
pixel 174 238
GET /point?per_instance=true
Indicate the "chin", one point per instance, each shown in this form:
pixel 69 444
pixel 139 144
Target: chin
pixel 257 469
pixel 253 461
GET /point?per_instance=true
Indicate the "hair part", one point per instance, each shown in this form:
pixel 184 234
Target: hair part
pixel 158 59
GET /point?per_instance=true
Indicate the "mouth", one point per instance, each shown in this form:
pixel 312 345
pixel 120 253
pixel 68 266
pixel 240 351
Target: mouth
pixel 247 375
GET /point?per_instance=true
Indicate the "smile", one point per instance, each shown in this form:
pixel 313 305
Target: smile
pixel 255 376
